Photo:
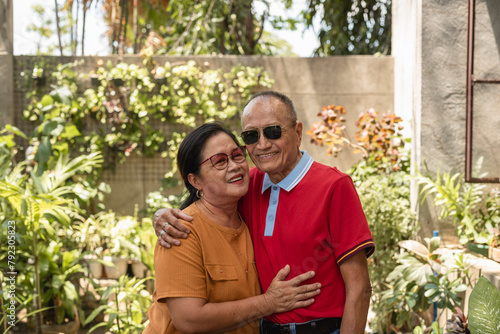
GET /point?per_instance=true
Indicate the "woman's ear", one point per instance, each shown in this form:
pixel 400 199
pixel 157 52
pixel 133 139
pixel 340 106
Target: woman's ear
pixel 194 180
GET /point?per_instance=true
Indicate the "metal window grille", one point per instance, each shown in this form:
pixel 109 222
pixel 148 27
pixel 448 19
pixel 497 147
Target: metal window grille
pixel 483 86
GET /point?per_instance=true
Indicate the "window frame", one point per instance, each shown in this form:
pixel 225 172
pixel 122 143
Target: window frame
pixel 471 81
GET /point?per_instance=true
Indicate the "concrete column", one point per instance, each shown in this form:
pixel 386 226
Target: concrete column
pixel 6 62
pixel 407 53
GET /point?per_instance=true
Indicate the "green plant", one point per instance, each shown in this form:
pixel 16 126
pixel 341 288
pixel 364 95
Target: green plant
pixel 386 203
pixel 492 205
pixel 148 243
pixel 60 270
pixel 462 203
pixel 45 204
pixel 90 233
pixel 123 238
pixel 484 308
pixel 11 321
pixel 422 277
pixel 126 312
pixel 155 200
pixel 8 145
pixel 423 329
pixel 117 121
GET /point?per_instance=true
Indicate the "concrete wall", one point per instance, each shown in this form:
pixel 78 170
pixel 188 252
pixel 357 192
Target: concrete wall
pixel 6 60
pixel 430 52
pixel 430 70
pixel 356 82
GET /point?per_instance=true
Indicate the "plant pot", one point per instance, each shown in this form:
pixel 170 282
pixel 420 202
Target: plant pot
pixel 494 254
pixel 71 327
pixel 478 248
pixel 120 268
pixel 39 81
pixel 96 268
pixel 118 82
pixel 138 269
pixel 160 81
pixel 95 82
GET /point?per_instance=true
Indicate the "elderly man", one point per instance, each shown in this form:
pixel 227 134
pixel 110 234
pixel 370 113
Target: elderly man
pixel 300 213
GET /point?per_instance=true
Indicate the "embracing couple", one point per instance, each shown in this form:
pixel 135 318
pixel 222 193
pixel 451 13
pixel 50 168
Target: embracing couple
pixel 280 248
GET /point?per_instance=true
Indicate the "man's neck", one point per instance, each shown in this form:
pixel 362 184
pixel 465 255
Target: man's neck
pixel 278 177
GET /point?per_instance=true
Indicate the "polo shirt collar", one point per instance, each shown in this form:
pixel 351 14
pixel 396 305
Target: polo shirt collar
pixel 292 179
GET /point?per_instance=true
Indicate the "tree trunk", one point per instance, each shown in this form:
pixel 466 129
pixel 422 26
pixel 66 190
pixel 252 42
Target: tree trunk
pixel 58 28
pixel 74 46
pixel 113 23
pixel 136 26
pixel 83 26
pixel 71 31
pixel 125 24
pixel 249 40
pixel 119 38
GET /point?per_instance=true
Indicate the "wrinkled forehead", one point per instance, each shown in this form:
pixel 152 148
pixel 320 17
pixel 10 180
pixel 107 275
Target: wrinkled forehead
pixel 218 143
pixel 263 111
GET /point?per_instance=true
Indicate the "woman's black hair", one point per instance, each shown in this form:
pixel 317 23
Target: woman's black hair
pixel 189 154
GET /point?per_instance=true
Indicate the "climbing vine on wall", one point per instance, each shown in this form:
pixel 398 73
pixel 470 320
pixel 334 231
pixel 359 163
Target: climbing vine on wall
pixel 127 106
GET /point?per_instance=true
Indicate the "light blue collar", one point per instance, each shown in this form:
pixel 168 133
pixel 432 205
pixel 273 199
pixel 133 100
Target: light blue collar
pixel 292 179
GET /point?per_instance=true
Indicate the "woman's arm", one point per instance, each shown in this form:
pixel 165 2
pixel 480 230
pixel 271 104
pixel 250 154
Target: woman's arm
pixel 196 315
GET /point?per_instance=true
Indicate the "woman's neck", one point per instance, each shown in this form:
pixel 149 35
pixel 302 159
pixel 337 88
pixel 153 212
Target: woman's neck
pixel 225 215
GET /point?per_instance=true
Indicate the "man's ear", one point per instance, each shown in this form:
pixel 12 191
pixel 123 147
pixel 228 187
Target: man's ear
pixel 298 129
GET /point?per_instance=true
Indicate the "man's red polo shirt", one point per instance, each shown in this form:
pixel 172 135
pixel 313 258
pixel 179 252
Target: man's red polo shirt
pixel 311 220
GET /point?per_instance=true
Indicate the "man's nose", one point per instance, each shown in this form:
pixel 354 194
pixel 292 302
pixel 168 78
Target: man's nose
pixel 263 142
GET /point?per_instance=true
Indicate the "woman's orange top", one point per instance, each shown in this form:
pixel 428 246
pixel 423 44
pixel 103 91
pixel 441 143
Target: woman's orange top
pixel 215 263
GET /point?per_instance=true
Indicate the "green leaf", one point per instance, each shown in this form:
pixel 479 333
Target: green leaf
pixel 94 314
pixel 56 282
pixel 15 130
pixel 101 324
pixel 436 328
pixel 43 154
pixel 71 131
pixel 47 101
pixel 415 247
pixel 68 257
pixel 70 291
pixel 53 128
pixel 62 94
pixel 484 308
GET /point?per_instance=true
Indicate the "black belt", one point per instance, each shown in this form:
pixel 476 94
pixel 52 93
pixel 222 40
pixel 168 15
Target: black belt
pixel 320 326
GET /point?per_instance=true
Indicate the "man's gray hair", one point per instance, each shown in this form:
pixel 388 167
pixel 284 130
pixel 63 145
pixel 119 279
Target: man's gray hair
pixel 282 97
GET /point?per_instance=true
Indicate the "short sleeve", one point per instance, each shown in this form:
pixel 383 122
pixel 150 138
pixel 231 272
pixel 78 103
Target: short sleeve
pixel 179 271
pixel 348 225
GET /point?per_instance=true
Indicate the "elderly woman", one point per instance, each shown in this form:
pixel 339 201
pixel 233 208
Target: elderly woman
pixel 211 284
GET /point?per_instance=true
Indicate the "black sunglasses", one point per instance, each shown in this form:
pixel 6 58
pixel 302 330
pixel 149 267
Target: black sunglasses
pixel 272 132
pixel 220 161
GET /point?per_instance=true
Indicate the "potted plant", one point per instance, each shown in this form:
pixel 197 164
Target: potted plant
pixel 494 242
pixel 89 236
pixel 121 246
pixel 38 77
pixel 463 204
pixel 160 76
pixel 94 80
pixel 119 74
